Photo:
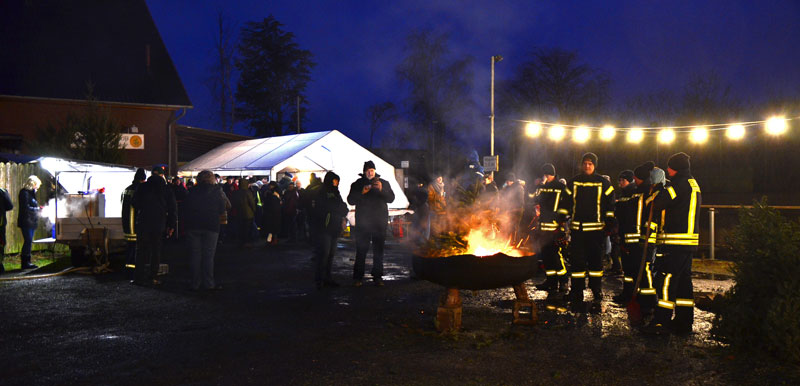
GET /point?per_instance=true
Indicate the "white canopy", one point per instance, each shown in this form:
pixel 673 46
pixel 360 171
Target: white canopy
pixel 81 176
pixel 300 154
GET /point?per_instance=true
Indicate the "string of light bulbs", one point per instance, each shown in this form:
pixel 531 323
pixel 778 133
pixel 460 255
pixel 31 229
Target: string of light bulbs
pixel 774 126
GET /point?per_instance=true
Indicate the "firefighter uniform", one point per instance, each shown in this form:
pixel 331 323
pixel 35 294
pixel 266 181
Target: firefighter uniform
pixel 626 214
pixel 549 232
pixel 677 241
pixel 129 221
pixel 589 201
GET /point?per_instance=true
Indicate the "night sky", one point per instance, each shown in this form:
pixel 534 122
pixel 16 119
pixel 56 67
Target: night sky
pixel 643 46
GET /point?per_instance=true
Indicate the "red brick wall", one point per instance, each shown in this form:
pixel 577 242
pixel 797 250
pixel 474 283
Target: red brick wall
pixel 23 116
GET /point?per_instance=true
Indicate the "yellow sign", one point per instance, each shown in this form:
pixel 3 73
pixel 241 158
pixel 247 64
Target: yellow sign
pixel 132 141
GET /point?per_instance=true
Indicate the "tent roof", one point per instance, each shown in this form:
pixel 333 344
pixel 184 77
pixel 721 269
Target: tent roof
pixel 309 152
pixel 261 154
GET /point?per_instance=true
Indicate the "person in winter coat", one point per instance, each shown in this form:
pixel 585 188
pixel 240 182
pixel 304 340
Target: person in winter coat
pixel 204 205
pixel 437 202
pixel 307 196
pixel 5 206
pixel 28 218
pixel 156 217
pixel 271 224
pixel 129 220
pixel 371 195
pixel 329 212
pixel 289 211
pixel 244 207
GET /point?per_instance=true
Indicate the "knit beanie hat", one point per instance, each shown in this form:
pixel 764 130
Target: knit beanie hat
pixel 591 157
pixel 139 176
pixel 626 175
pixel 642 171
pixel 548 169
pixel 369 165
pixel 679 162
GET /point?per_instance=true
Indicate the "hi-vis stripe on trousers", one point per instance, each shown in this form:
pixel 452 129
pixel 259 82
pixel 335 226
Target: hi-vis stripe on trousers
pixel 673 284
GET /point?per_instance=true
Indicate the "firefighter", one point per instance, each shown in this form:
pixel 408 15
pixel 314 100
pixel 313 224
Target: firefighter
pixel 677 241
pixel 129 221
pixel 550 230
pixel 625 213
pixel 589 201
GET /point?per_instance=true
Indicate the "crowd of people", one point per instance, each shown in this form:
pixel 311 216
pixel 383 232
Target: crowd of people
pixel 646 226
pixel 213 210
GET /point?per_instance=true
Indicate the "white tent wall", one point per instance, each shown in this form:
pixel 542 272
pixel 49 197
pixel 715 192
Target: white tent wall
pixel 310 152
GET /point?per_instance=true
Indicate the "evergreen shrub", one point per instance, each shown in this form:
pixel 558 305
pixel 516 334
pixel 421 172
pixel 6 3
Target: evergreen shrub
pixel 761 312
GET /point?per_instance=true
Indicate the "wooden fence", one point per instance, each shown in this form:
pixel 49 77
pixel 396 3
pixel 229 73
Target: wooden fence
pixel 12 178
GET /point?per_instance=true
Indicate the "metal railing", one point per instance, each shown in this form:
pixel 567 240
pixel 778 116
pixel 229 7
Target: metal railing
pixel 711 214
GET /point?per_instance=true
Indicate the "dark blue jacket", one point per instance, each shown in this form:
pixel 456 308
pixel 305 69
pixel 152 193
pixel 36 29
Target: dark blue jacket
pixel 28 215
pixel 372 208
pixel 155 205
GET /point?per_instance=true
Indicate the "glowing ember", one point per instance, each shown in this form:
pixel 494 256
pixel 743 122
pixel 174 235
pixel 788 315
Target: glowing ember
pixel 482 243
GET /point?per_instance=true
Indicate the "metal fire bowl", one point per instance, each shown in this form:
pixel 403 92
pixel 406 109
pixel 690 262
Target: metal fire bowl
pixel 476 273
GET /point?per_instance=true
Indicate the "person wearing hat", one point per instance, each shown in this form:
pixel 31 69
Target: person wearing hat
pixel 156 217
pixel 129 220
pixel 371 196
pixel 622 195
pixel 632 213
pixel 589 202
pixel 549 230
pixel 677 242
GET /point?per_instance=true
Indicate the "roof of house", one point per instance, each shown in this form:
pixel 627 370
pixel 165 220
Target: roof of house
pixel 53 48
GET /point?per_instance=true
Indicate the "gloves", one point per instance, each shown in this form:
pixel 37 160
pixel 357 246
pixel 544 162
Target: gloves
pixel 657 176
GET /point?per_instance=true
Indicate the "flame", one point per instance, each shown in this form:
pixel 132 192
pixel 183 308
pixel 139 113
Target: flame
pixel 487 243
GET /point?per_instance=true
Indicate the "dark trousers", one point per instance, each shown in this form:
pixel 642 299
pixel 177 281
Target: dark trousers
pixel 631 259
pixel 555 265
pixel 363 240
pixel 326 247
pixel 130 258
pixel 673 282
pixel 586 260
pixel 27 244
pixel 148 251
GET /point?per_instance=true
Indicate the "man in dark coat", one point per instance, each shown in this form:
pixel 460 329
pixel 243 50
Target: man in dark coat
pixel 156 217
pixel 371 195
pixel 5 206
pixel 244 207
pixel 329 210
pixel 129 220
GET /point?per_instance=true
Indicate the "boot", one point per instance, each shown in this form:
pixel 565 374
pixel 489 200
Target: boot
pixel 549 284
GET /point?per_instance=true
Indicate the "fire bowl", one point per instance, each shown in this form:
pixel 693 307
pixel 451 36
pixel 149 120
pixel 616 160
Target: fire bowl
pixel 476 273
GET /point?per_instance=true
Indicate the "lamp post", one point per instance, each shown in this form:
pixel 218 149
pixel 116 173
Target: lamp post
pixel 495 59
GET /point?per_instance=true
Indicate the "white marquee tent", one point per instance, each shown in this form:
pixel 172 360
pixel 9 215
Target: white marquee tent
pixel 301 155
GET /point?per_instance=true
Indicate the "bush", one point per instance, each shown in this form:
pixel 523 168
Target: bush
pixel 761 311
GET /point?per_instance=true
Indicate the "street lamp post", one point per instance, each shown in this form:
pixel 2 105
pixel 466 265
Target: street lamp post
pixel 495 59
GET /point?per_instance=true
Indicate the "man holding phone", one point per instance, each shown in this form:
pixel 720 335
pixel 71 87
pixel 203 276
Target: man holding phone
pixel 371 196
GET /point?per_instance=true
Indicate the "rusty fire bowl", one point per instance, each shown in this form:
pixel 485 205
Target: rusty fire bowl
pixel 476 273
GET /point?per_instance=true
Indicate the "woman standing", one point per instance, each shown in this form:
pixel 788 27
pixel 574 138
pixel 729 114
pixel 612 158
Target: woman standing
pixel 28 218
pixel 204 205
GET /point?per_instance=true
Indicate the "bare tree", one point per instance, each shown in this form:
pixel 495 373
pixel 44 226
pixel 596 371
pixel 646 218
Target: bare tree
pixel 439 85
pixel 222 76
pixel 378 115
pixel 555 82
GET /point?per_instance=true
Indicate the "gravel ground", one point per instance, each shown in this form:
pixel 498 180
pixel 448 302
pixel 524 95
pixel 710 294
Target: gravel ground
pixel 269 325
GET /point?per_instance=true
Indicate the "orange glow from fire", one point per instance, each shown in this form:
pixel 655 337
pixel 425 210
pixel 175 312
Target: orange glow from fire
pixel 483 243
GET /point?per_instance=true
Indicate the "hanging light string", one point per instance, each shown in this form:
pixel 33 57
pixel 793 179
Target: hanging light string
pixel 774 126
pixel 681 129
